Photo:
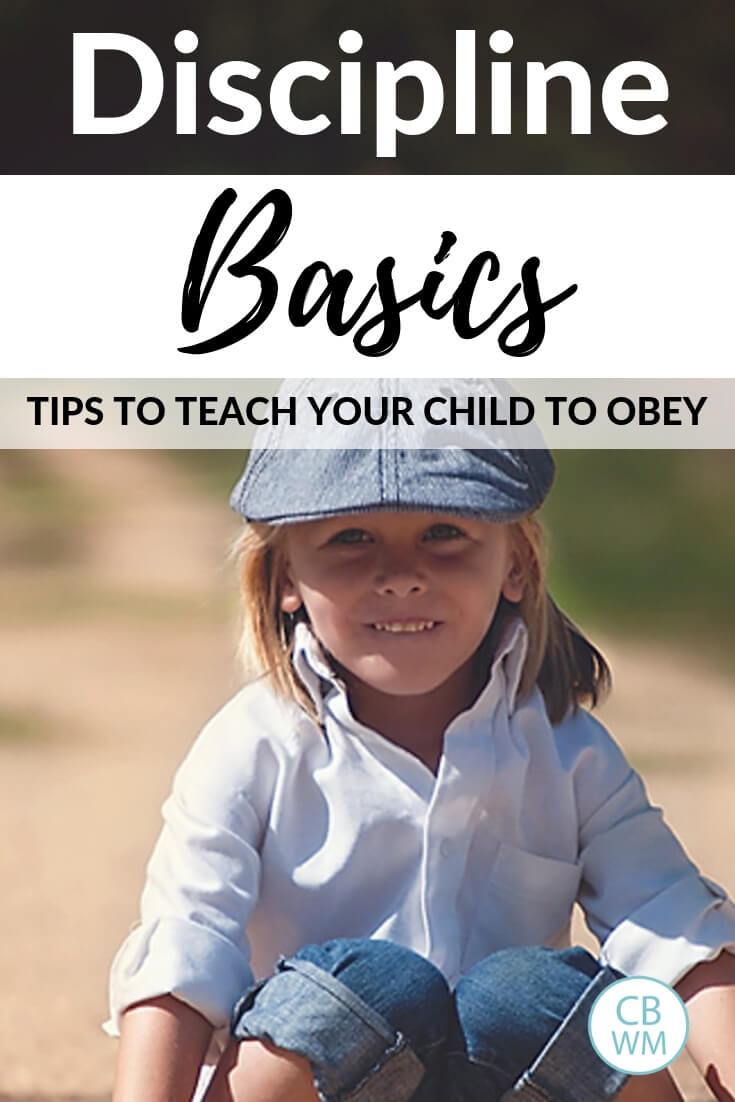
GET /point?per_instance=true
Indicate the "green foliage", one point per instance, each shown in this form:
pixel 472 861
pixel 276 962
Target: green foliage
pixel 215 472
pixel 644 542
pixel 21 727
pixel 41 513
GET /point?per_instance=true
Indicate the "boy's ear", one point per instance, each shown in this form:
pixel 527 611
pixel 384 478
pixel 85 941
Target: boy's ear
pixel 515 580
pixel 290 596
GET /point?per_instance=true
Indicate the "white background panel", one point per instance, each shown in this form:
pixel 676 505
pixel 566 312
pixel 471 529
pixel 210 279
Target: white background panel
pixel 94 268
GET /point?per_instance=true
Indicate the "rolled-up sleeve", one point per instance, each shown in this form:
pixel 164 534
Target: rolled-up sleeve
pixel 200 891
pixel 644 899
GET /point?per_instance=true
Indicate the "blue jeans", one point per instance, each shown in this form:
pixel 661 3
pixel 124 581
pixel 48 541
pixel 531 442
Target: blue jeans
pixel 378 1023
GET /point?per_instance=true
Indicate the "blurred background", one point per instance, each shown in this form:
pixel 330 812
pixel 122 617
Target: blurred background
pixel 118 624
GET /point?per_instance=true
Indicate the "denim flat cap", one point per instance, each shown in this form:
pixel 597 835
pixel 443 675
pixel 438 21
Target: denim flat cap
pixel 301 472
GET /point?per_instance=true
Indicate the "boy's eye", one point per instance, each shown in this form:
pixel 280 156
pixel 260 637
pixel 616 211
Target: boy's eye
pixel 443 532
pixel 350 536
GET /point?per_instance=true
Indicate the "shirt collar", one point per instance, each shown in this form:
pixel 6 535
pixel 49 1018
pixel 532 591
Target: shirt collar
pixel 312 668
pixel 509 660
pixel 318 677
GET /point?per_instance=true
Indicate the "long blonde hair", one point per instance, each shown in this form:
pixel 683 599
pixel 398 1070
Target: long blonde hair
pixel 568 669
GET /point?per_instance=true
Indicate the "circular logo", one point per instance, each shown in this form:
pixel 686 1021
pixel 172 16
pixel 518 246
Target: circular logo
pixel 638 1025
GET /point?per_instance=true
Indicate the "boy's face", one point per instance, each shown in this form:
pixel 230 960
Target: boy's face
pixel 402 601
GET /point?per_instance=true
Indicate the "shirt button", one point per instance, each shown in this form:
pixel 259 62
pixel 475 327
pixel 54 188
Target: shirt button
pixel 446 847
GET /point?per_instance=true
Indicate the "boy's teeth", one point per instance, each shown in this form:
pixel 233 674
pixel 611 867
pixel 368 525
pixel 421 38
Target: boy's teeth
pixel 406 625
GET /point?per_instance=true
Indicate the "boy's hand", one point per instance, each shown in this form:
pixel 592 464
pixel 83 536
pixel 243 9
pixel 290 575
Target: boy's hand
pixel 709 993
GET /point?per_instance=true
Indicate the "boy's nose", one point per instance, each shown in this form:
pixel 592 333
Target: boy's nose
pixel 399 581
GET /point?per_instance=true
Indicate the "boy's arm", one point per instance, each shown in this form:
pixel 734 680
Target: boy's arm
pixel 709 992
pixel 162 1045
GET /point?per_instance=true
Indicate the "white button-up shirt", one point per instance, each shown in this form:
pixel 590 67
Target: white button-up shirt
pixel 281 831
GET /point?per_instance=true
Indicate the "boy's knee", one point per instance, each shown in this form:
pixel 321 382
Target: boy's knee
pixel 407 990
pixel 357 1010
pixel 511 1003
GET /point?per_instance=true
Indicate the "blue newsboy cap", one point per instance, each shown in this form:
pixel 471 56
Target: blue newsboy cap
pixel 284 483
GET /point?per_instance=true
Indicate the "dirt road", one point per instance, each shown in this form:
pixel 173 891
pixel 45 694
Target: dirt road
pixel 112 659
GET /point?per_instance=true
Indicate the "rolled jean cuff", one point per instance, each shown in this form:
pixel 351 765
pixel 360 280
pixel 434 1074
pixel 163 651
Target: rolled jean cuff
pixel 354 1053
pixel 568 1069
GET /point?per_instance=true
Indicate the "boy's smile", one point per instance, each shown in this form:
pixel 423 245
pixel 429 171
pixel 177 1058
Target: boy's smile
pixel 406 625
pixel 401 601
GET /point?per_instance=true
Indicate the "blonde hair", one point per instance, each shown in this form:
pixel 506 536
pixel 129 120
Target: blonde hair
pixel 568 669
